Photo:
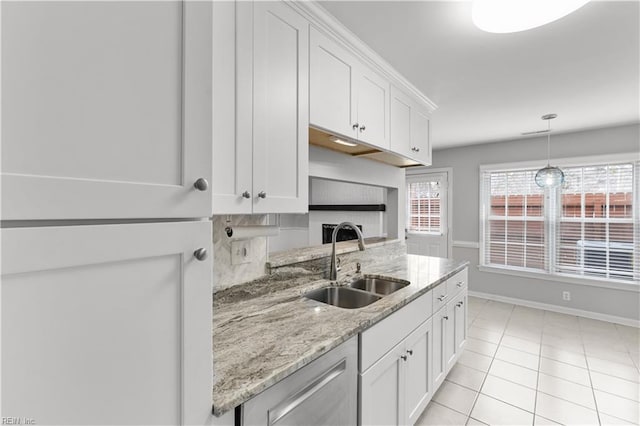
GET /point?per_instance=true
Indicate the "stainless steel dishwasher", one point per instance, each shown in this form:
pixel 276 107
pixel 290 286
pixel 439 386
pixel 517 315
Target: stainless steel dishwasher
pixel 325 392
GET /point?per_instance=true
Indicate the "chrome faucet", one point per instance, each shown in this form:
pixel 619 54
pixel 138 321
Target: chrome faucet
pixel 333 272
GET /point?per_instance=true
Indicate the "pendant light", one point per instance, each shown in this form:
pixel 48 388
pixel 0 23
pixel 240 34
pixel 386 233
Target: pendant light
pixel 549 176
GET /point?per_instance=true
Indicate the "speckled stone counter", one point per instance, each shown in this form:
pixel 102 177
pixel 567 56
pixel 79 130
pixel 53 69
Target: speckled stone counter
pixel 265 330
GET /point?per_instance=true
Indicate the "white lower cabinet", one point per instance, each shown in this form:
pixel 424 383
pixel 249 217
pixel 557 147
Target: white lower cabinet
pixel 107 324
pixel 396 389
pixel 439 359
pixel 400 375
pixel 382 390
pixel 460 320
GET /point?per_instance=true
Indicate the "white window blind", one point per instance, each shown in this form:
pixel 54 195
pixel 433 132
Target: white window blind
pixel 514 225
pixel 587 228
pixel 595 233
pixel 424 198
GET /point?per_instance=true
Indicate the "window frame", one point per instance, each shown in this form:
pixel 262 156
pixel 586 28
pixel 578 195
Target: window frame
pixel 549 272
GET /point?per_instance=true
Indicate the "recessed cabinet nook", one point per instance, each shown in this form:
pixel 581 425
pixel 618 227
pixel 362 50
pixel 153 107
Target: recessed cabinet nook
pixel 106 202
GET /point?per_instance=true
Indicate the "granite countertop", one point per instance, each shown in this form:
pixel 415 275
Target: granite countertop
pixel 264 330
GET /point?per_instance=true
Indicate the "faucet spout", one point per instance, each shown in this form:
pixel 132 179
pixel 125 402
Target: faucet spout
pixel 333 271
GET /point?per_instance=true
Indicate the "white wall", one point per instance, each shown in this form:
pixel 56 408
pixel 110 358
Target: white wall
pixel 465 162
pixel 327 164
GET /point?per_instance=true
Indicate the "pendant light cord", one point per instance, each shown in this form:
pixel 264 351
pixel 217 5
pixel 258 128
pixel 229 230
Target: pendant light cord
pixel 549 143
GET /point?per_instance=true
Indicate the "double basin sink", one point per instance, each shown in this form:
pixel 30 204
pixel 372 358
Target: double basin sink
pixel 360 293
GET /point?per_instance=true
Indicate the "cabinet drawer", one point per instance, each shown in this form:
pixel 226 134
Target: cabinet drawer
pixel 382 337
pixel 457 282
pixel 441 296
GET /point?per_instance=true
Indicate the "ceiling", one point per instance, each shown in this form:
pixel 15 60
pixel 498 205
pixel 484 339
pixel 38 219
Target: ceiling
pixel 490 87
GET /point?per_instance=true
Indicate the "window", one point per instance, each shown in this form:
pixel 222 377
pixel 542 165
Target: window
pixel 425 194
pixel 586 228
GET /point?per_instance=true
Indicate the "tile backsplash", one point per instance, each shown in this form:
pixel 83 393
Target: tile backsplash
pixel 224 273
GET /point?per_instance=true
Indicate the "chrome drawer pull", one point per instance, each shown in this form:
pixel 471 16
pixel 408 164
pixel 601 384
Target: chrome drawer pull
pixel 441 298
pixel 285 407
pixel 459 283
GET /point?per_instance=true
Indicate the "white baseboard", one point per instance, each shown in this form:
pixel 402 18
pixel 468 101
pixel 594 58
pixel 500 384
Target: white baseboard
pixel 560 309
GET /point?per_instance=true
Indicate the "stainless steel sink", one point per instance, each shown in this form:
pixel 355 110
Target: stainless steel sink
pixel 378 285
pixel 343 297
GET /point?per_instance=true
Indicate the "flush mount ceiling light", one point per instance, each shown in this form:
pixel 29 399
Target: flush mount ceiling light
pixel 510 16
pixel 549 176
pixel 341 142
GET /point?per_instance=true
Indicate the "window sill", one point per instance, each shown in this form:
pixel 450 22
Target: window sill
pixel 593 282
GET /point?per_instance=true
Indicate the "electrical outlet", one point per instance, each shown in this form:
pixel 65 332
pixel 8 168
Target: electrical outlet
pixel 566 295
pixel 240 252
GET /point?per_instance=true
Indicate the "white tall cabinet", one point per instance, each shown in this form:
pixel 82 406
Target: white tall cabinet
pixel 107 127
pixel 261 155
pixel 106 110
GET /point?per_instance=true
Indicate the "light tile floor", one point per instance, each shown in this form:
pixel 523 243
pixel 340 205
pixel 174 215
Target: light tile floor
pixel 525 366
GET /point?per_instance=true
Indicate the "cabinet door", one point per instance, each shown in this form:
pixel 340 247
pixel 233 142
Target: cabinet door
pixel 106 109
pixel 280 109
pixel 450 350
pixel 419 382
pixel 439 363
pixel 460 321
pixel 420 135
pixel 107 324
pixel 400 125
pixel 232 107
pixel 382 390
pixel 332 76
pixel 373 108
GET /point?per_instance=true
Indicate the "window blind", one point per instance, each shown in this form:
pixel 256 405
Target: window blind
pixel 595 232
pixel 514 226
pixel 424 199
pixel 590 227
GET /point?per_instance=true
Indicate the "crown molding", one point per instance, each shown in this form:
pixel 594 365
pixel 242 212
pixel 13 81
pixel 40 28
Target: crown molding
pixel 324 21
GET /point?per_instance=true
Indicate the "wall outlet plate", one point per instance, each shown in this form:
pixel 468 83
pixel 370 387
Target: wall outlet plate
pixel 240 252
pixel 566 295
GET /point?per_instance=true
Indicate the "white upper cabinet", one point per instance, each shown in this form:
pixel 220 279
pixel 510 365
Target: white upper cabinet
pixel 410 132
pixel 260 151
pixel 106 110
pixel 373 108
pixel 346 97
pixel 331 81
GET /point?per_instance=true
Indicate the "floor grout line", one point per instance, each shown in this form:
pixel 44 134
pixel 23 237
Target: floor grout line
pixel 490 364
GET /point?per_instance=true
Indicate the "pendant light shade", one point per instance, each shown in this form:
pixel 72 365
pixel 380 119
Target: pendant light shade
pixel 549 176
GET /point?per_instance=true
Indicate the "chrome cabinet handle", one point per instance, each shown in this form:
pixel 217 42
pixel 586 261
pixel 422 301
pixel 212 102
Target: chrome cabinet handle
pixel 459 304
pixel 355 126
pixel 404 357
pixel 441 298
pixel 200 254
pixel 201 184
pixel 410 351
pixel 262 194
pixel 415 149
pixel 446 317
pixel 362 128
pixel 459 283
pixel 246 194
